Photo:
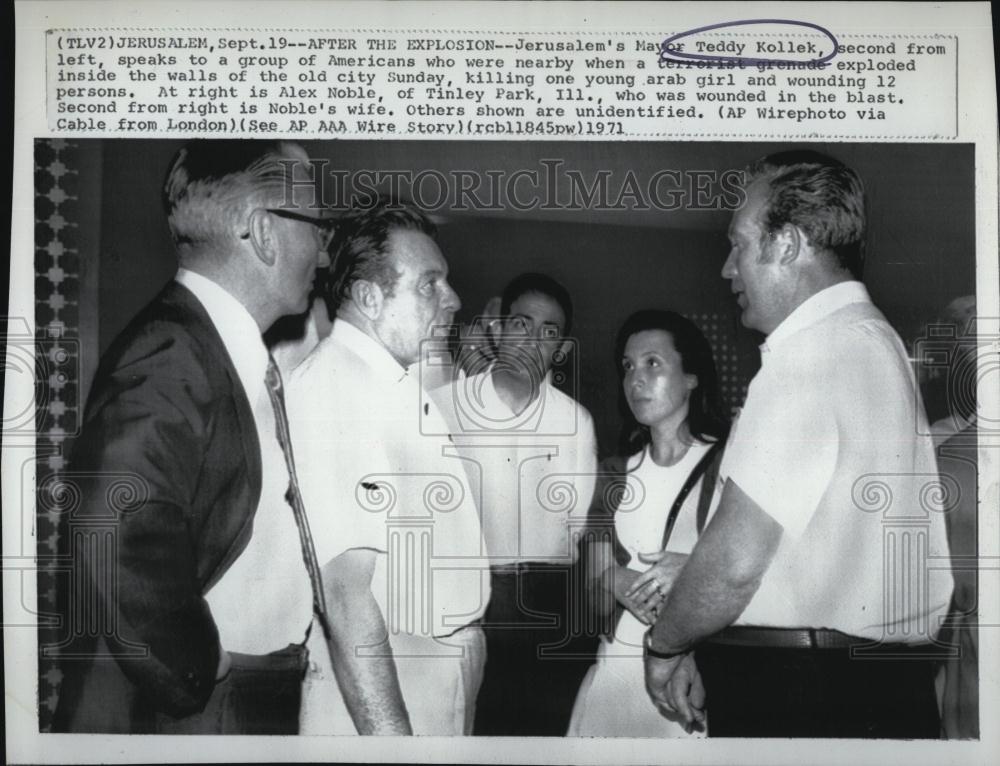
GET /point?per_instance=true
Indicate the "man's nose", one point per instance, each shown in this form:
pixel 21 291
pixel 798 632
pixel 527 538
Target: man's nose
pixel 728 268
pixel 450 301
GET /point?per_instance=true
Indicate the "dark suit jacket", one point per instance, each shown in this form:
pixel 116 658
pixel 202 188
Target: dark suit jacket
pixel 168 417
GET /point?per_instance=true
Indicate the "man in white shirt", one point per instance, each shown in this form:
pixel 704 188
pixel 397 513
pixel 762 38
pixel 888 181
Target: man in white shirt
pixel 950 389
pixel 828 553
pixel 534 454
pixel 394 519
pixel 206 584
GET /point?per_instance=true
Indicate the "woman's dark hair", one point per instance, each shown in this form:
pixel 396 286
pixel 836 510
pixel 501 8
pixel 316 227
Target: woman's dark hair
pixel 706 420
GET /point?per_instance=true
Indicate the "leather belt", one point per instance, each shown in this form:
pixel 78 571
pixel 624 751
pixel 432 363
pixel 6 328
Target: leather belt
pixel 521 567
pixel 786 638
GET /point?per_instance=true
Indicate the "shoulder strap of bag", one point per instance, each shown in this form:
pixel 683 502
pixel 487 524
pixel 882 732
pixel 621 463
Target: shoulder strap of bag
pixel 692 479
pixel 708 485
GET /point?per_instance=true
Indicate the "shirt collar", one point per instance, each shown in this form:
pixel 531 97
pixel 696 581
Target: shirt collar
pixel 814 309
pixel 238 330
pixel 370 350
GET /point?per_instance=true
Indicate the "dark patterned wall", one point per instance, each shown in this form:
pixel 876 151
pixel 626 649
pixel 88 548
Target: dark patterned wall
pixel 734 378
pixel 59 409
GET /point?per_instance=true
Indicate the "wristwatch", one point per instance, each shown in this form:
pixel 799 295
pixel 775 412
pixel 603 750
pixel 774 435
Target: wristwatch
pixel 649 651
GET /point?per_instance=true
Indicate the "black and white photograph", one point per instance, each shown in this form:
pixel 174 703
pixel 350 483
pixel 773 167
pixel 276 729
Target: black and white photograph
pixel 540 382
pixel 496 377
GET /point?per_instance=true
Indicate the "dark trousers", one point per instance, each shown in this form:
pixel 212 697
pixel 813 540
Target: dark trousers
pixel 261 694
pixel 538 648
pixel 824 693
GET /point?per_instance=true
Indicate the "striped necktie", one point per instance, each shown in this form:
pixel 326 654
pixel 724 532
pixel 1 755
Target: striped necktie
pixel 275 391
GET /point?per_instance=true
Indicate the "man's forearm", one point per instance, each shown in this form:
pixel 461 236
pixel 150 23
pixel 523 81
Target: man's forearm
pixel 700 604
pixel 368 683
pixel 723 574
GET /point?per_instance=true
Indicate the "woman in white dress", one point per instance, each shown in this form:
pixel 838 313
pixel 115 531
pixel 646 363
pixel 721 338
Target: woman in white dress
pixel 655 500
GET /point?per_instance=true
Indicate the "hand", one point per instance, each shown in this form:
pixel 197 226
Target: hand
pixel 476 349
pixel 676 689
pixel 651 587
pixel 644 609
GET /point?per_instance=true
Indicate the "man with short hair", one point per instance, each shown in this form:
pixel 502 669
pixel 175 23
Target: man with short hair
pixel 396 524
pixel 814 595
pixel 204 585
pixel 535 453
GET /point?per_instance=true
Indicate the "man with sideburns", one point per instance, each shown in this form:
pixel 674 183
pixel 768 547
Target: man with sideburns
pixel 807 615
pixel 396 523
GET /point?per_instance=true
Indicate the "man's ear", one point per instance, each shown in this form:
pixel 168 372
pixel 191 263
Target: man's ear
pixel 788 243
pixel 263 236
pixel 691 381
pixel 368 297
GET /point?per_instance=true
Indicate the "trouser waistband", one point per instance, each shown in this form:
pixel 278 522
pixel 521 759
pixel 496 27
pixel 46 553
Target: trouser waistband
pixel 522 567
pixel 806 638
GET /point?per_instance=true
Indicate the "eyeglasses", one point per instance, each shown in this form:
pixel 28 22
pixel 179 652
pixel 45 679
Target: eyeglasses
pixel 326 225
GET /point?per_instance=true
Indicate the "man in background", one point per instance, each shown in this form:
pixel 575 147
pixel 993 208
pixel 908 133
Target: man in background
pixel 948 355
pixel 534 453
pixel 292 339
pixel 201 590
pixel 952 386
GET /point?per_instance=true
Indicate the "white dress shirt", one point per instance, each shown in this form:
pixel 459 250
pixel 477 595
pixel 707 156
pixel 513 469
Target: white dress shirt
pixel 831 444
pixel 535 470
pixel 378 471
pixel 264 600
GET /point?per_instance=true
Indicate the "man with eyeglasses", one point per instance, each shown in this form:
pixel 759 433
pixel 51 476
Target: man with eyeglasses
pixel 535 451
pixel 206 579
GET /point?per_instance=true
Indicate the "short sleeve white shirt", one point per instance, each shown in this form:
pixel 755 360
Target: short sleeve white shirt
pixel 377 470
pixel 535 471
pixel 831 444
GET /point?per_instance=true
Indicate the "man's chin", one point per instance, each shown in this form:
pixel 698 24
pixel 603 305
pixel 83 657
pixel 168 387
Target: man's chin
pixel 750 322
pixel 521 363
